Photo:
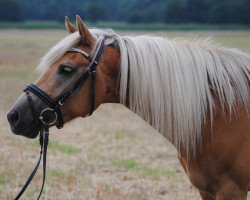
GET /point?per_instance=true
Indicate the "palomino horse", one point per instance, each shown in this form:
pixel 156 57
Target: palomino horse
pixel 194 93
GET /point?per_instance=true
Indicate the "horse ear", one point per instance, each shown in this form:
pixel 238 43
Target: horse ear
pixel 70 27
pixel 84 32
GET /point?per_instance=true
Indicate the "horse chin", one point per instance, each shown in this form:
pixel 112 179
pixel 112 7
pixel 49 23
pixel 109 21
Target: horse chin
pixel 31 132
pixel 32 135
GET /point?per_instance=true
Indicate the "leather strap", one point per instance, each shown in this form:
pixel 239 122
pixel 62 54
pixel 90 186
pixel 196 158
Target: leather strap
pixel 41 94
pixel 92 92
pixel 31 104
pixel 45 145
pixel 48 100
pixel 44 139
pixel 84 53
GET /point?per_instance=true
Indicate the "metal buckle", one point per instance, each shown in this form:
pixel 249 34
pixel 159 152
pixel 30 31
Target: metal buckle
pixel 60 103
pixel 42 118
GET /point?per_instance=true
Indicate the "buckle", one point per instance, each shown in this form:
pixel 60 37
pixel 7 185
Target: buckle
pixel 61 102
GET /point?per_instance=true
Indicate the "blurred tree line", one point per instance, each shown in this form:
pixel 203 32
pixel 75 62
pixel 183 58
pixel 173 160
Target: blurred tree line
pixel 208 11
pixel 133 11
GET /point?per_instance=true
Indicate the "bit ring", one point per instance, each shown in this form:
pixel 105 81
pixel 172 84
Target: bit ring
pixel 41 118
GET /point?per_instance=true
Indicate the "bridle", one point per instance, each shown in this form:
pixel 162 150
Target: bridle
pixel 54 105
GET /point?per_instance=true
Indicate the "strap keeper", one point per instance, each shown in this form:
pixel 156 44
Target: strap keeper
pixel 89 71
pixel 61 102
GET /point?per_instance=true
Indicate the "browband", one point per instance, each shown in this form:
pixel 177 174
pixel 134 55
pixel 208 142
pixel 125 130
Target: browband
pixel 84 53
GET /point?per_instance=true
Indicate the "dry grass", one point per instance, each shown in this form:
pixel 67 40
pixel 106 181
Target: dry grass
pixel 112 155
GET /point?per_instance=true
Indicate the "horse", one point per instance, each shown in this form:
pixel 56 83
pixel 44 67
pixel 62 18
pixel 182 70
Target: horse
pixel 194 93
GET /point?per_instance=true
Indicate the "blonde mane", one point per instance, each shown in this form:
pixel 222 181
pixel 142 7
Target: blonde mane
pixel 170 82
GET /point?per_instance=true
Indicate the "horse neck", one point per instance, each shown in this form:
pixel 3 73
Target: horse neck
pixel 109 75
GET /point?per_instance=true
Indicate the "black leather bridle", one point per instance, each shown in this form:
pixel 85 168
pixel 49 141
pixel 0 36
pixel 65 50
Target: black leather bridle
pixel 55 106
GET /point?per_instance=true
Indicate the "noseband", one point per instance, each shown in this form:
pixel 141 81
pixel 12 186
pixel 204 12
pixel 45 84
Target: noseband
pixel 54 106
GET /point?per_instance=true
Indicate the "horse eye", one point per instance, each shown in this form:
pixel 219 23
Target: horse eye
pixel 64 69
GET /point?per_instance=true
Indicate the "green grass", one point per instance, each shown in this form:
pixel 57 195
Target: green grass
pixel 31 194
pixel 64 148
pixel 2 182
pixel 141 169
pixel 57 173
pixel 124 26
pixel 119 136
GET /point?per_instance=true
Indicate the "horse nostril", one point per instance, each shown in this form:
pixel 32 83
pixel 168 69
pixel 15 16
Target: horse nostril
pixel 13 117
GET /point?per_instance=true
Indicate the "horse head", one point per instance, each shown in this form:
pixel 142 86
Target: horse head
pixel 64 69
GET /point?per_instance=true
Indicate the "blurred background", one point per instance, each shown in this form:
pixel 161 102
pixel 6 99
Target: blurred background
pixel 120 14
pixel 113 154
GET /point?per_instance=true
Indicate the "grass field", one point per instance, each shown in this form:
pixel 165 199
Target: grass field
pixel 112 155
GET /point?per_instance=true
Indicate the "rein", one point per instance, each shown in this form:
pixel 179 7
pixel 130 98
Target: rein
pixel 54 107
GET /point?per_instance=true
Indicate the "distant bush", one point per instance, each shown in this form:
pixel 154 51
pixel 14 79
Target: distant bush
pixel 125 26
pixel 208 11
pixel 95 12
pixel 131 11
pixel 10 10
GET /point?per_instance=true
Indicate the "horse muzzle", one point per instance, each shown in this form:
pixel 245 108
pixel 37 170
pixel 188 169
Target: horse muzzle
pixel 21 126
pixel 21 120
